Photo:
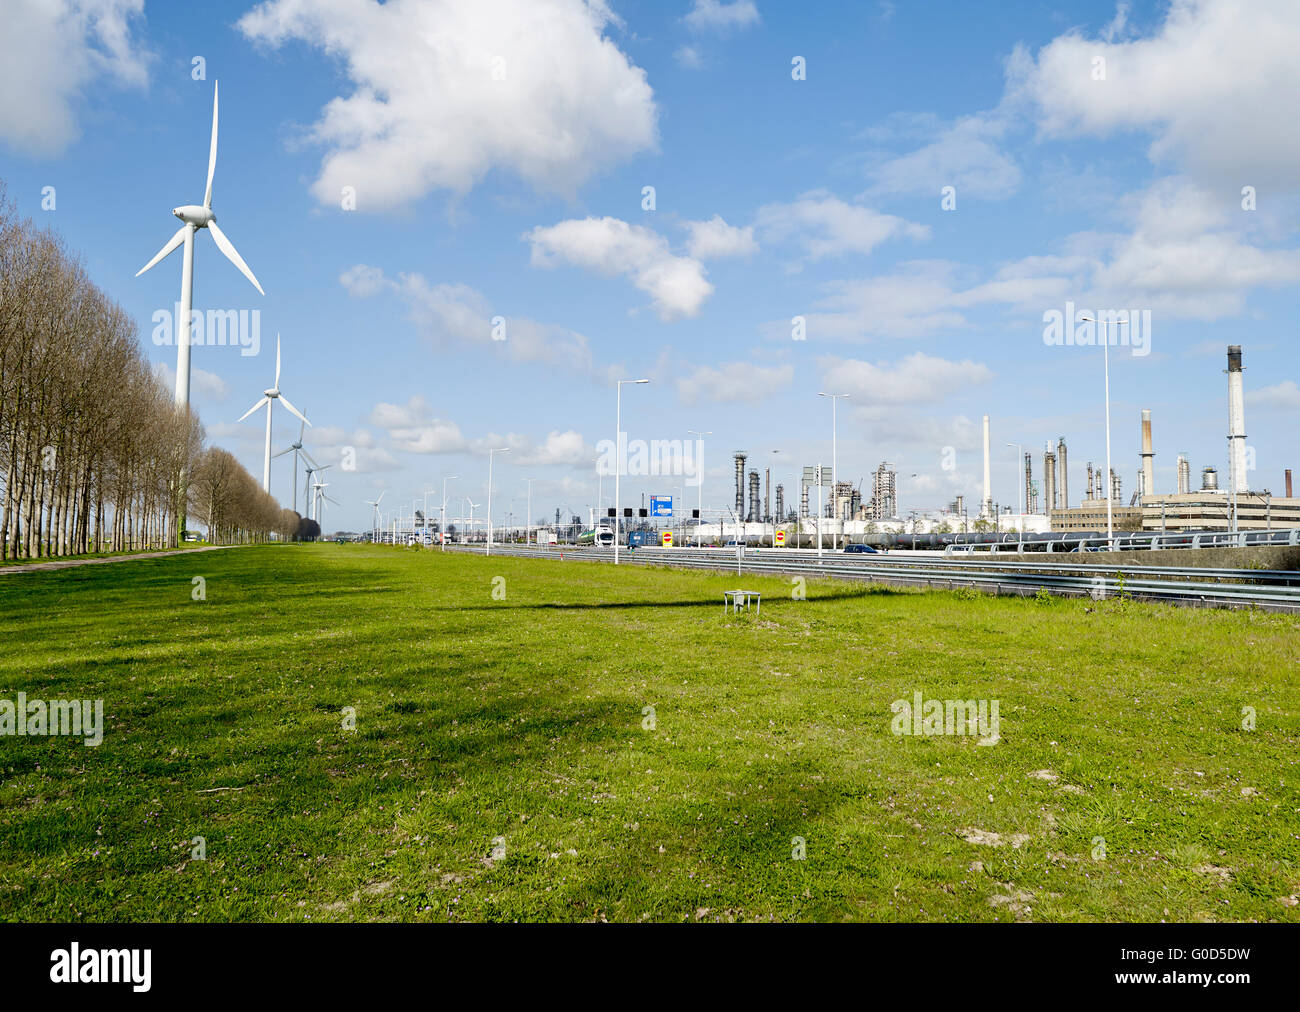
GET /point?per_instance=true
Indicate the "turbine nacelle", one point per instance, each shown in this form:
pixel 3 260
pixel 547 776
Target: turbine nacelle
pixel 195 214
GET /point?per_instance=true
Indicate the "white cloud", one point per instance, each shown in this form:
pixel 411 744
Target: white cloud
pixel 734 383
pixel 916 379
pixel 610 246
pixel 826 226
pixel 445 91
pixel 714 239
pixel 1216 84
pixel 413 428
pixel 560 448
pixel 718 15
pixel 689 57
pixel 965 155
pixel 1280 395
pixel 450 313
pixel 202 382
pixel 51 53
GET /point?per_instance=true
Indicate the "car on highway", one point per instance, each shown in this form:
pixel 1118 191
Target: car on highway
pixel 861 549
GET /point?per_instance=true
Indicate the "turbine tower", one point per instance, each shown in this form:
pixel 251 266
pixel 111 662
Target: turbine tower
pixel 269 397
pixel 297 449
pixel 193 218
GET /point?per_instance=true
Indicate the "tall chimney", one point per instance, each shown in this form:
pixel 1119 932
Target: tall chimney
pixel 1029 482
pixel 1062 474
pixel 986 508
pixel 754 505
pixel 740 485
pixel 1148 456
pixel 1091 491
pixel 1288 483
pixel 1049 480
pixel 1236 422
pixel 767 494
pixel 1184 475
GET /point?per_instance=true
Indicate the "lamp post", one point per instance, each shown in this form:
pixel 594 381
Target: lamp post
pixel 528 520
pixel 491 453
pixel 442 531
pixel 699 476
pixel 1105 345
pixel 618 454
pixel 835 463
pixel 1020 460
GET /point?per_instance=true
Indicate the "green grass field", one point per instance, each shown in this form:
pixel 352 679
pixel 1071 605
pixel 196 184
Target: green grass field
pixel 501 766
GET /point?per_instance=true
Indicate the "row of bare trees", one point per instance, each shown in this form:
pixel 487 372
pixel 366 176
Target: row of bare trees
pixel 92 448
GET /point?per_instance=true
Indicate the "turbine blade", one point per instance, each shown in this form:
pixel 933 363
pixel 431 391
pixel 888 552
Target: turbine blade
pixel 212 154
pixel 381 497
pixel 309 458
pixel 285 401
pixel 288 449
pixel 301 430
pixel 277 362
pixel 226 247
pixel 172 243
pixel 264 400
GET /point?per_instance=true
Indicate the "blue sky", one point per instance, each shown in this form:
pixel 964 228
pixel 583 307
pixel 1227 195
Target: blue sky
pixel 515 189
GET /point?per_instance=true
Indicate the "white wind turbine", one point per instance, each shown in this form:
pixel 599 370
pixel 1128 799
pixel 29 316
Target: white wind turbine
pixel 297 450
pixel 195 217
pixel 269 397
pixel 322 499
pixel 375 506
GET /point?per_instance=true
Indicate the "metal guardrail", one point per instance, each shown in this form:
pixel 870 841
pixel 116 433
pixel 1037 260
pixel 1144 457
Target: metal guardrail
pixel 1272 590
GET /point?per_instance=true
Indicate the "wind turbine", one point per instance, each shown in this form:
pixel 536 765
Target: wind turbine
pixel 296 449
pixel 375 506
pixel 193 218
pixel 321 499
pixel 269 397
pixel 472 506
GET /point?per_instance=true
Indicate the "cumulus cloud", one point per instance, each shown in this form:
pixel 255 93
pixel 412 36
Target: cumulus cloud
pixel 51 54
pixel 826 226
pixel 915 379
pixel 1280 395
pixel 676 284
pixel 413 428
pixel 1216 84
pixel 734 383
pixel 456 314
pixel 202 382
pixel 444 91
pixel 719 15
pixel 714 239
pixel 966 155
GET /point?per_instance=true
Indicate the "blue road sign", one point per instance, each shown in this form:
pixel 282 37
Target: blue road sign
pixel 661 505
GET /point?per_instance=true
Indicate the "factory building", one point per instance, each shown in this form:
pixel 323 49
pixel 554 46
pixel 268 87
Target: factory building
pixel 884 493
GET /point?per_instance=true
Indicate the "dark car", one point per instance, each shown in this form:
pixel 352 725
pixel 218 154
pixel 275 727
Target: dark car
pixel 861 549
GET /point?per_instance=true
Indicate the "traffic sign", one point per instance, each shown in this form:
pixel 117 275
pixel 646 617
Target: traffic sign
pixel 668 539
pixel 661 505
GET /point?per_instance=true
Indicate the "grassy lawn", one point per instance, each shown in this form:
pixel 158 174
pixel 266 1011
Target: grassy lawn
pixel 500 766
pixel 188 546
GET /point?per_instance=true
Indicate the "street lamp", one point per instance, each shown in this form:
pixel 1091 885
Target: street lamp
pixel 491 452
pixel 618 454
pixel 528 520
pixel 699 475
pixel 442 531
pixel 835 464
pixel 1020 458
pixel 1105 345
pixel 769 488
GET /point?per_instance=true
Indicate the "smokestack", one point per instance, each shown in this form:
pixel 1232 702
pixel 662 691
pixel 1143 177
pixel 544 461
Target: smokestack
pixel 1092 492
pixel 1148 456
pixel 1288 483
pixel 753 497
pixel 803 499
pixel 1236 422
pixel 740 485
pixel 780 503
pixel 1062 473
pixel 1049 480
pixel 1029 483
pixel 767 494
pixel 1115 486
pixel 987 507
pixel 1184 475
